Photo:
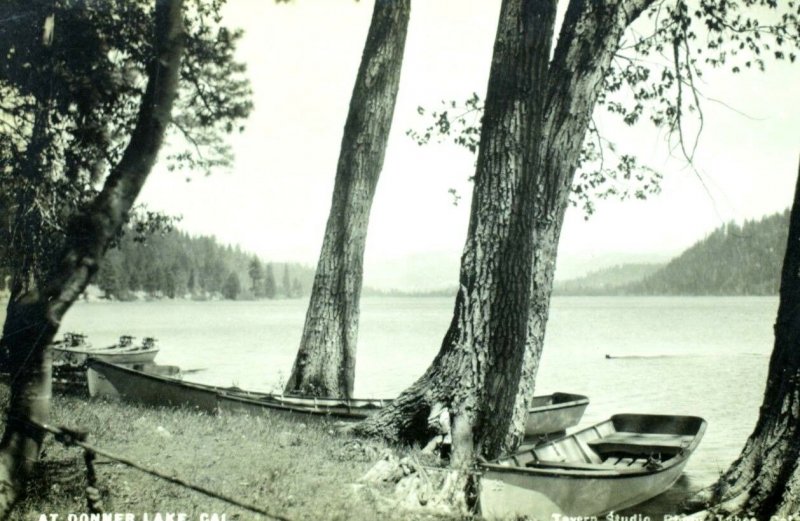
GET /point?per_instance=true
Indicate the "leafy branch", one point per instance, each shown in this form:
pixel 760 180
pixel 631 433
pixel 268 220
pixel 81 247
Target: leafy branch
pixel 603 173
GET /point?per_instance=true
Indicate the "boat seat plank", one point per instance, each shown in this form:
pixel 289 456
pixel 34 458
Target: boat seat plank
pixel 632 463
pixel 629 443
pixel 611 461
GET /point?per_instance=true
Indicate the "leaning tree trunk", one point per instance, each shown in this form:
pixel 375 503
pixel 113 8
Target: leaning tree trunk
pixel 33 316
pixel 537 113
pixel 764 481
pixel 588 40
pixel 325 362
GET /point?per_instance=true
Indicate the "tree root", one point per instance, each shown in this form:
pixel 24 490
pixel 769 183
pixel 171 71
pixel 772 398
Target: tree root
pixel 733 508
pixel 721 501
pixel 701 500
pixel 413 486
pixel 754 486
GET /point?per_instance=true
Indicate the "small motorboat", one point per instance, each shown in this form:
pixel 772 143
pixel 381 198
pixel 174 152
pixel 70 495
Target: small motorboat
pixel 612 465
pixel 74 351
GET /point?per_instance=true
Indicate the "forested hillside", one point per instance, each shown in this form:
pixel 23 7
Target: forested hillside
pixel 732 260
pixel 176 265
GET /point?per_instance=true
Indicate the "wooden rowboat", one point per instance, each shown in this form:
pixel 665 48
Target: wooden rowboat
pixel 548 414
pixel 150 389
pixel 551 413
pixel 98 385
pixel 609 466
pixel 554 413
pixel 159 390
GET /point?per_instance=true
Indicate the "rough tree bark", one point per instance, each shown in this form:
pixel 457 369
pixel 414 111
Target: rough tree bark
pixel 537 113
pixel 325 362
pixel 34 315
pixel 763 482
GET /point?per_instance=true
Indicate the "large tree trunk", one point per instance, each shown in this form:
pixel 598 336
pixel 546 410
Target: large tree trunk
pixel 763 482
pixel 325 363
pixel 33 316
pixel 588 40
pixel 537 113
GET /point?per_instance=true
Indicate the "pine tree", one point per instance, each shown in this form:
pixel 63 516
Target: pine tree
pixel 191 285
pixel 270 288
pixel 297 289
pixel 232 286
pixel 286 283
pixel 256 273
pixel 108 279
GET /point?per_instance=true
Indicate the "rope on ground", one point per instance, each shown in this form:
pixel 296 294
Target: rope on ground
pixel 71 437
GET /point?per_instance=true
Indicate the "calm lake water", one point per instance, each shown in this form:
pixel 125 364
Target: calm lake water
pixel 700 356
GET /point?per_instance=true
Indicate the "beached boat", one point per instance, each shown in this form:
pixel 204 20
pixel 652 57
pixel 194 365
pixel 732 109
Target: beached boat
pixel 554 413
pixel 63 349
pixel 150 389
pixel 609 466
pixel 107 379
pixel 551 413
pixel 73 350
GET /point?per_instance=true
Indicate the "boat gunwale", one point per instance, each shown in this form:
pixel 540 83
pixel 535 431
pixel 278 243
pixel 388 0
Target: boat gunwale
pixel 222 393
pixel 351 413
pixel 107 351
pixel 604 471
pixel 164 379
pixel 587 473
pixel 317 402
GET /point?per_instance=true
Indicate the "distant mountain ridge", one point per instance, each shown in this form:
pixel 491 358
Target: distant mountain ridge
pixel 734 259
pixel 606 281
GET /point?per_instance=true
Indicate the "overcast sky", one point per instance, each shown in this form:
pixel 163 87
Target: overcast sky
pixel 302 60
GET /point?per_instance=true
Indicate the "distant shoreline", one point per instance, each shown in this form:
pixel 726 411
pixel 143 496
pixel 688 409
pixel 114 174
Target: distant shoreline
pixel 398 294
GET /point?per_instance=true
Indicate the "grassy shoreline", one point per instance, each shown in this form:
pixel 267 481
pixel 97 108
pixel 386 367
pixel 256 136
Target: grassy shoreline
pixel 295 466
